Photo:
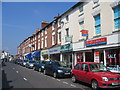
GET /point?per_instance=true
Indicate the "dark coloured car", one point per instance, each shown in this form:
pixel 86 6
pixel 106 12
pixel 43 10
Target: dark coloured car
pixel 39 66
pixel 30 64
pixel 57 69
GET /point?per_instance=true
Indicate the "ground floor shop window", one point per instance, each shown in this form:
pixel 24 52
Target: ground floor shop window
pixel 99 56
pixel 45 57
pixel 67 59
pixel 79 57
pixel 36 58
pixel 55 57
pixel 113 59
pixel 89 56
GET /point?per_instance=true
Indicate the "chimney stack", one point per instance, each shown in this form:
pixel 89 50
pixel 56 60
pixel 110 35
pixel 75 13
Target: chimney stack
pixel 44 24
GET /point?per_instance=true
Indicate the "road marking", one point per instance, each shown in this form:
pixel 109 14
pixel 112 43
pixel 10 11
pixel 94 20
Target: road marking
pixel 65 82
pixel 57 79
pixel 16 71
pixel 25 79
pixel 13 68
pixel 53 78
pixel 72 85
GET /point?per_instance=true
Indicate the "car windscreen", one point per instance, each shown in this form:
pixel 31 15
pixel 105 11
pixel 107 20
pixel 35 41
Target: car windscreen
pixel 31 61
pixel 61 64
pixel 43 62
pixel 97 68
pixel 25 60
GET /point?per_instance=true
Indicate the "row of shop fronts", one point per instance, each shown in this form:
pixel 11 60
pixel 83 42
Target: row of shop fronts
pixel 105 50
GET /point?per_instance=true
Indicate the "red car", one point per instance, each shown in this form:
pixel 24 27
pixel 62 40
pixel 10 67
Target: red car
pixel 95 74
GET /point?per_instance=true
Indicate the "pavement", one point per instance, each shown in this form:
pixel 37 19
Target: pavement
pixel 16 76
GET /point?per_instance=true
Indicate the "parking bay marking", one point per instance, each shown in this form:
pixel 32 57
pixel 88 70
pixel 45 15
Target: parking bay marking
pixel 25 79
pixel 65 82
pixel 72 85
pixel 57 79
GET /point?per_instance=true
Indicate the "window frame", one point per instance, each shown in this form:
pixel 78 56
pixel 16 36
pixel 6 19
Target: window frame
pixel 97 23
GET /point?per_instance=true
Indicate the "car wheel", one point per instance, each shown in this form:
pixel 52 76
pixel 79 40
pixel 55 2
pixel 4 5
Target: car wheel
pixel 40 70
pixel 44 72
pixel 55 75
pixel 34 68
pixel 74 79
pixel 94 85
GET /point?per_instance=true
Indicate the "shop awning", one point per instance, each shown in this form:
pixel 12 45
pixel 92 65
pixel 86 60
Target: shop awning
pixel 28 56
pixel 36 54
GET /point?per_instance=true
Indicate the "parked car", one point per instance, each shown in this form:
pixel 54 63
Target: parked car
pixel 24 62
pixel 95 74
pixel 39 66
pixel 30 64
pixel 18 61
pixel 57 69
pixel 15 61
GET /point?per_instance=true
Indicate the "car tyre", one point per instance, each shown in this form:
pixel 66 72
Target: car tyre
pixel 55 75
pixel 74 79
pixel 40 70
pixel 34 68
pixel 44 72
pixel 94 85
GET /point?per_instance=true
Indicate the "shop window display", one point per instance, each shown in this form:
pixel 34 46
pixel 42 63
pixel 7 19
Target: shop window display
pixel 113 60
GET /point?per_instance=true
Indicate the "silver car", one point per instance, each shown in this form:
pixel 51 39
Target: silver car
pixel 30 64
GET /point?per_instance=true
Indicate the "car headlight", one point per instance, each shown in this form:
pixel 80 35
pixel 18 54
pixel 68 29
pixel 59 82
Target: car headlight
pixel 60 71
pixel 31 64
pixel 104 79
pixel 42 66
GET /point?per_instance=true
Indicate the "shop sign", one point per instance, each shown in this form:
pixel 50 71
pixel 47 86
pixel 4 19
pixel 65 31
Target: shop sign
pixel 68 38
pixel 54 50
pixel 84 32
pixel 111 55
pixel 44 52
pixel 97 57
pixel 96 42
pixel 66 47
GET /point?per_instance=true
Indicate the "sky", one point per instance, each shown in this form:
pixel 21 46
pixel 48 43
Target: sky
pixel 21 19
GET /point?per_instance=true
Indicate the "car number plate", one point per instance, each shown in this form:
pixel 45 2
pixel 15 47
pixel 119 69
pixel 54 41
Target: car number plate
pixel 118 83
pixel 67 73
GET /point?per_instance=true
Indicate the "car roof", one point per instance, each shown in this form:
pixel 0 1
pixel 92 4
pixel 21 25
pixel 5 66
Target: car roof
pixel 88 62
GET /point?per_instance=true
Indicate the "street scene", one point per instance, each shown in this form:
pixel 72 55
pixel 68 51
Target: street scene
pixel 72 45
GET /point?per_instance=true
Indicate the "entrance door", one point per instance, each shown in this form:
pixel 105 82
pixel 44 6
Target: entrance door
pixel 89 57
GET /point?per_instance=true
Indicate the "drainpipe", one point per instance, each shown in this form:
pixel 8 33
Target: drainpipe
pixel 104 57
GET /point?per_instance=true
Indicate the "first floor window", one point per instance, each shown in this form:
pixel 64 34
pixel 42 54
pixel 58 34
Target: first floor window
pixel 97 24
pixel 117 17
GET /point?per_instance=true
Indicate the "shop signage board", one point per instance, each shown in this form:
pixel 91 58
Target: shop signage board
pixel 44 52
pixel 84 32
pixel 68 38
pixel 54 50
pixel 66 47
pixel 95 42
